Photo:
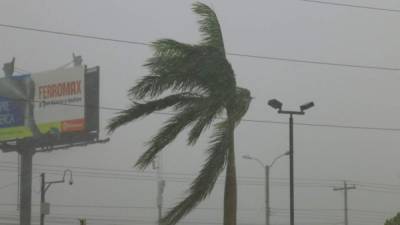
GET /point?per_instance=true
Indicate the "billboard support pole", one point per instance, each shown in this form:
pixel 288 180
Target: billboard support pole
pixel 26 185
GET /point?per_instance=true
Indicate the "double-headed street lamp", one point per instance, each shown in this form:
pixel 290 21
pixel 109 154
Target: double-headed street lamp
pixel 274 103
pixel 266 168
pixel 44 207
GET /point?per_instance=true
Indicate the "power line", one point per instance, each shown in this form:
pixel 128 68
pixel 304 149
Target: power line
pixel 11 164
pixel 74 35
pixel 12 183
pixel 352 5
pixel 175 175
pixel 309 216
pixel 299 211
pixel 293 60
pixel 380 191
pixel 146 175
pixel 185 178
pixel 150 175
pixel 8 185
pixel 327 125
pixel 114 176
pixel 100 206
pixel 102 218
pixel 121 41
pixel 361 211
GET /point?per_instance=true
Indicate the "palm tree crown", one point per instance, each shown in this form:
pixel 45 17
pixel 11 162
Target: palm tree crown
pixel 200 86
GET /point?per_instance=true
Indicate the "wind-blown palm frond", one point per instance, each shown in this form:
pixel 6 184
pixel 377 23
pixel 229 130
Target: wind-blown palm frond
pixel 138 110
pixel 209 26
pixel 241 104
pixel 177 68
pixel 169 57
pixel 212 111
pixel 188 114
pixel 205 181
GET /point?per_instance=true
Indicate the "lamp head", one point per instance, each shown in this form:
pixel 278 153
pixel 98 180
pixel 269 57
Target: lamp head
pixel 306 106
pixel 71 181
pixel 274 103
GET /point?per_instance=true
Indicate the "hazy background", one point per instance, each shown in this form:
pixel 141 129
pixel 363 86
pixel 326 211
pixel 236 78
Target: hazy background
pixel 115 193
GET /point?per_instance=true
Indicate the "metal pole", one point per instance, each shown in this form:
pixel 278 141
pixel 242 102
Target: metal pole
pixel 267 208
pixel 42 197
pixel 26 186
pixel 291 170
pixel 276 104
pixel 346 215
pixel 19 182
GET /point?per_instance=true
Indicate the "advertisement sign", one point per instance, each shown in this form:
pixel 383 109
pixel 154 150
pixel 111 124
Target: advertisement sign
pixel 60 100
pixel 55 100
pixel 13 107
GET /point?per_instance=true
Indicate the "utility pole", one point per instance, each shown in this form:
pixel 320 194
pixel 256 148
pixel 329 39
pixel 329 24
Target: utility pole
pixel 346 210
pixel 45 207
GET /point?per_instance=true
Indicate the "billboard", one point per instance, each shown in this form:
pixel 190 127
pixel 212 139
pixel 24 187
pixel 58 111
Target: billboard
pixel 55 100
pixel 59 100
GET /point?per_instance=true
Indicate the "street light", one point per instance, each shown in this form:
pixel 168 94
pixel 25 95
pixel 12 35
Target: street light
pixel 266 169
pixel 306 106
pixel 45 207
pixel 274 103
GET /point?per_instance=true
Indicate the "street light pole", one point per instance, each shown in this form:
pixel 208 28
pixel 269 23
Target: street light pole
pixel 291 169
pixel 266 170
pixel 267 205
pixel 44 208
pixel 274 103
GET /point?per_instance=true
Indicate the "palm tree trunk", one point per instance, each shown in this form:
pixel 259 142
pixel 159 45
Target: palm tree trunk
pixel 230 198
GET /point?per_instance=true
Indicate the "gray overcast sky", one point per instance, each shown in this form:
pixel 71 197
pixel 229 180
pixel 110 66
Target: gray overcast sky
pixel 285 28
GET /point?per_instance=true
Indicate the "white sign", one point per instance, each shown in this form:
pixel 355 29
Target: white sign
pixel 60 100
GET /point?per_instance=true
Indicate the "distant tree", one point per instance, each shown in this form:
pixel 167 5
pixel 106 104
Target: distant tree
pixel 82 221
pixel 201 87
pixel 393 221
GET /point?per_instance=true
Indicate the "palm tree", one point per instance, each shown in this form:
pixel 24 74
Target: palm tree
pixel 201 88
